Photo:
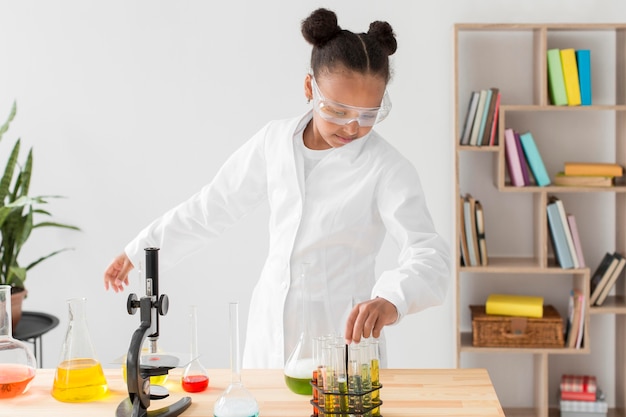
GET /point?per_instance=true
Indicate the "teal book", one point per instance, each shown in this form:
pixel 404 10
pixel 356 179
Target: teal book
pixel 583 60
pixel 483 120
pixel 557 232
pixel 556 83
pixel 534 160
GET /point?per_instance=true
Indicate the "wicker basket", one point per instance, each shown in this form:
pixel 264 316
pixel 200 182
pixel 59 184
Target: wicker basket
pixel 506 331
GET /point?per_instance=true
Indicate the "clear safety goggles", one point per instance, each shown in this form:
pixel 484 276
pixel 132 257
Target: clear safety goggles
pixel 343 114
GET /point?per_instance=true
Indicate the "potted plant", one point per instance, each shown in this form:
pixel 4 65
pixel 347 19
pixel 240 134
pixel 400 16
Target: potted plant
pixel 17 220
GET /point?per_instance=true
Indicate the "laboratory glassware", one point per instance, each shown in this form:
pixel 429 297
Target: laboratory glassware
pixel 17 364
pixel 79 376
pixel 301 366
pixel 236 400
pixel 195 377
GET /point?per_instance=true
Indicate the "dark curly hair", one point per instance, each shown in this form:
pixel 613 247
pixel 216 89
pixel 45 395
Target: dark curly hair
pixel 333 47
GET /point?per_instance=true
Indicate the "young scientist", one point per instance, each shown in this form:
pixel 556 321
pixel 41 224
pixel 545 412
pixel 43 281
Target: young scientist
pixel 335 187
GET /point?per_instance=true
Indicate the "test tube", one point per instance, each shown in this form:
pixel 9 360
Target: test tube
pixel 317 361
pixel 327 374
pixel 355 387
pixel 366 377
pixel 375 365
pixel 339 363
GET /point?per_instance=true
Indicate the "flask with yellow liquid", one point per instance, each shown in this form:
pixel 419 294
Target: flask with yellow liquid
pixel 79 376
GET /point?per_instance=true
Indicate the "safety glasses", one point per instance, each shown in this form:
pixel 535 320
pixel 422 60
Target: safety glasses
pixel 343 114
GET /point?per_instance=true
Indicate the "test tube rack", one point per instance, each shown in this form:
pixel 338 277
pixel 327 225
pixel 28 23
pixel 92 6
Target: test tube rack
pixel 345 404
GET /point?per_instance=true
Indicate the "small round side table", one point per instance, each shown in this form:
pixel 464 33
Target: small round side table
pixel 31 327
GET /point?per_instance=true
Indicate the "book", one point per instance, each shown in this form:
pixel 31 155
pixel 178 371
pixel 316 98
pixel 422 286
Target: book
pixel 469 118
pixel 469 210
pixel 606 169
pixel 483 119
pixel 574 318
pixel 463 236
pixel 570 76
pixel 478 117
pixel 601 275
pixel 621 261
pixel 493 139
pixel 583 61
pixel 514 305
pixel 568 233
pixel 522 160
pixel 533 157
pixel 578 383
pixel 556 85
pixel 493 101
pixel 557 234
pixel 573 227
pixel 512 159
pixel 480 232
pixel 581 322
pixel 578 396
pixel 582 180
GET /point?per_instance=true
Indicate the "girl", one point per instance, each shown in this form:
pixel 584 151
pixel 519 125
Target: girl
pixel 335 188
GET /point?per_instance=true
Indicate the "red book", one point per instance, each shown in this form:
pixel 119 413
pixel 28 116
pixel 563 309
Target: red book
pixel 578 396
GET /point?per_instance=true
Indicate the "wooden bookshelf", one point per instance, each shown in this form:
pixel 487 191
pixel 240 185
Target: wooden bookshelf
pixel 512 57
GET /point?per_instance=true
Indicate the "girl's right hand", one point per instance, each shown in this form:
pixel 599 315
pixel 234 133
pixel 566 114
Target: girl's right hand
pixel 116 274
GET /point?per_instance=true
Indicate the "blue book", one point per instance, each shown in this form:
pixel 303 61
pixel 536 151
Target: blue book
pixel 557 231
pixel 483 120
pixel 534 159
pixel 583 60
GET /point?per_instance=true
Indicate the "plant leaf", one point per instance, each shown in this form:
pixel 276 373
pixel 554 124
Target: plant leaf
pixel 6 124
pixel 43 258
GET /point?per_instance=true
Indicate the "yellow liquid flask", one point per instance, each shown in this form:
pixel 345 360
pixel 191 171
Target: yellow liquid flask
pixel 79 376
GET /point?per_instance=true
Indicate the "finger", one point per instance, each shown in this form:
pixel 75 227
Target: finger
pixel 350 325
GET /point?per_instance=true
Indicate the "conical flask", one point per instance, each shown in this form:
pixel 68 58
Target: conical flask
pixel 79 376
pixel 195 377
pixel 17 364
pixel 301 366
pixel 236 400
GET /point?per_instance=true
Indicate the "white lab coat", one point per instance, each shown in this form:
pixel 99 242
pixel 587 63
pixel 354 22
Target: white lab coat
pixel 336 221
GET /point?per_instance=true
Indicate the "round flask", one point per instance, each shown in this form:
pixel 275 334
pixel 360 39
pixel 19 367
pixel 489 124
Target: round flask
pixel 17 364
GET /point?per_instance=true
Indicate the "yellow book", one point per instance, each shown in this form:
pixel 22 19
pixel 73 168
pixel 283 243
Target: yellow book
pixel 593 168
pixel 570 76
pixel 514 305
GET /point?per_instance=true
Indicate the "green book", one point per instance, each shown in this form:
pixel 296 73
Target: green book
pixel 556 84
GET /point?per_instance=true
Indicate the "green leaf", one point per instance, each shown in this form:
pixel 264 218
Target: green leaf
pixel 43 258
pixel 7 177
pixel 6 124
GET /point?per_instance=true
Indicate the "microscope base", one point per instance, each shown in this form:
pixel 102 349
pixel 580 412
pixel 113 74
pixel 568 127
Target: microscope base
pixel 127 409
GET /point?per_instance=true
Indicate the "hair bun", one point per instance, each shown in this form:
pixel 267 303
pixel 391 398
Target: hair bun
pixel 320 27
pixel 383 33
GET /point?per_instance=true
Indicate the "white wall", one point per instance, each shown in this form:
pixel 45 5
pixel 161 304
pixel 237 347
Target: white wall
pixel 132 106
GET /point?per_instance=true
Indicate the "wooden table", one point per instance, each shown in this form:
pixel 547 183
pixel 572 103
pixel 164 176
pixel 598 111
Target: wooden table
pixel 405 392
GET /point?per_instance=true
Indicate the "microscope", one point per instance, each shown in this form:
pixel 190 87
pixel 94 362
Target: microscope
pixel 150 307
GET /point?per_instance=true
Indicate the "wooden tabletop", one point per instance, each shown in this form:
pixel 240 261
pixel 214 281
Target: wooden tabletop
pixel 405 392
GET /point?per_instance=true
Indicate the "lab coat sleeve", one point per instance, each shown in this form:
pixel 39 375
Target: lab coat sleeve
pixel 239 186
pixel 422 277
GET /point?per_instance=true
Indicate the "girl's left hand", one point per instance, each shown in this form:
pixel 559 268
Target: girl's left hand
pixel 368 319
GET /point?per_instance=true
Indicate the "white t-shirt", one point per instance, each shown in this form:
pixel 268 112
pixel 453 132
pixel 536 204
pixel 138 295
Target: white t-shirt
pixel 310 157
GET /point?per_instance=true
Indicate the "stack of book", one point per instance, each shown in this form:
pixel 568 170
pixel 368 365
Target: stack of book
pixel 589 174
pixel 514 305
pixel 523 160
pixel 580 397
pixel 472 225
pixel 481 120
pixel 605 276
pixel 564 235
pixel 569 77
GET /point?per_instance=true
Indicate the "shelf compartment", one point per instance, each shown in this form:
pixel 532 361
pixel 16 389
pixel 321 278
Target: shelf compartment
pixel 466 346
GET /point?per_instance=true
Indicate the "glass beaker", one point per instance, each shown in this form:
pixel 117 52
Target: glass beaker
pixel 79 376
pixel 236 400
pixel 301 366
pixel 17 364
pixel 195 377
